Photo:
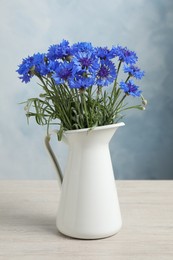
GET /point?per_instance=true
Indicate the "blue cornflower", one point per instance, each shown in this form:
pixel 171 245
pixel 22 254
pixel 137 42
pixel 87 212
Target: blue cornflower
pixel 125 55
pixel 51 66
pixel 134 71
pixel 82 47
pixel 25 69
pixel 59 51
pixel 81 80
pixel 105 53
pixel 33 65
pixel 86 61
pixel 106 74
pixel 63 72
pixel 130 88
pixel 52 52
pixel 40 64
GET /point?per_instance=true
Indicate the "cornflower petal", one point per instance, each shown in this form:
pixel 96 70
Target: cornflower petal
pixel 105 53
pixel 130 88
pixel 59 51
pixel 82 47
pixel 106 74
pixel 125 55
pixel 134 71
pixel 63 72
pixel 25 69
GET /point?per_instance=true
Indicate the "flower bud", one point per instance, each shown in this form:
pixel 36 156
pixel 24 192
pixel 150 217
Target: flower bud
pixel 144 102
pixel 82 90
pixel 32 70
pixel 26 108
pixel 68 58
pixel 42 95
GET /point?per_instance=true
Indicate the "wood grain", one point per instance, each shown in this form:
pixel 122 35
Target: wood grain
pixel 28 213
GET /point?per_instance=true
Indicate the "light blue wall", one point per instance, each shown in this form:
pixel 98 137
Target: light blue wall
pixel 143 149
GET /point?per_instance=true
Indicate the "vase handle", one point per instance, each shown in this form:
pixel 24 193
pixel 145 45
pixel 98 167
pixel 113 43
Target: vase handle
pixel 53 157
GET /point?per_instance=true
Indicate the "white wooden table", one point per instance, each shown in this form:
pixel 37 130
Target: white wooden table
pixel 28 231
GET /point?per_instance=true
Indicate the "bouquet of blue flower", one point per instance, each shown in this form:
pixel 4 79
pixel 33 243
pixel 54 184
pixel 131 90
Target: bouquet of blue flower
pixel 75 79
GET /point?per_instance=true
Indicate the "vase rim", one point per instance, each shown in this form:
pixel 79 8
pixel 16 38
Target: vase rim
pixel 97 128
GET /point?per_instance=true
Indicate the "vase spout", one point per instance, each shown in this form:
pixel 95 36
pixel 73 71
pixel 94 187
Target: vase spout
pixel 101 134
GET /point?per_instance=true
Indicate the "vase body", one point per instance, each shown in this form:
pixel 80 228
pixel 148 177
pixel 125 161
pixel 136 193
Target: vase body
pixel 89 207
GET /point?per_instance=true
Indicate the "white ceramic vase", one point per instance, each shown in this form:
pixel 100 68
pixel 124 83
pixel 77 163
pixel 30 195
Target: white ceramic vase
pixel 89 207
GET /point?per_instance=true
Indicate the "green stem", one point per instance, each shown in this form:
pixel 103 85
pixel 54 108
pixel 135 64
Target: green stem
pixel 118 69
pixel 129 76
pixel 119 65
pixel 119 103
pixel 44 85
pixel 115 82
pixel 77 104
pixel 85 108
pixel 140 107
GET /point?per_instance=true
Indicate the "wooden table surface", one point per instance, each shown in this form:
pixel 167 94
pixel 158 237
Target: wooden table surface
pixel 28 213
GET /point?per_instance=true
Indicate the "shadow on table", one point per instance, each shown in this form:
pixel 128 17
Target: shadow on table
pixel 24 218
